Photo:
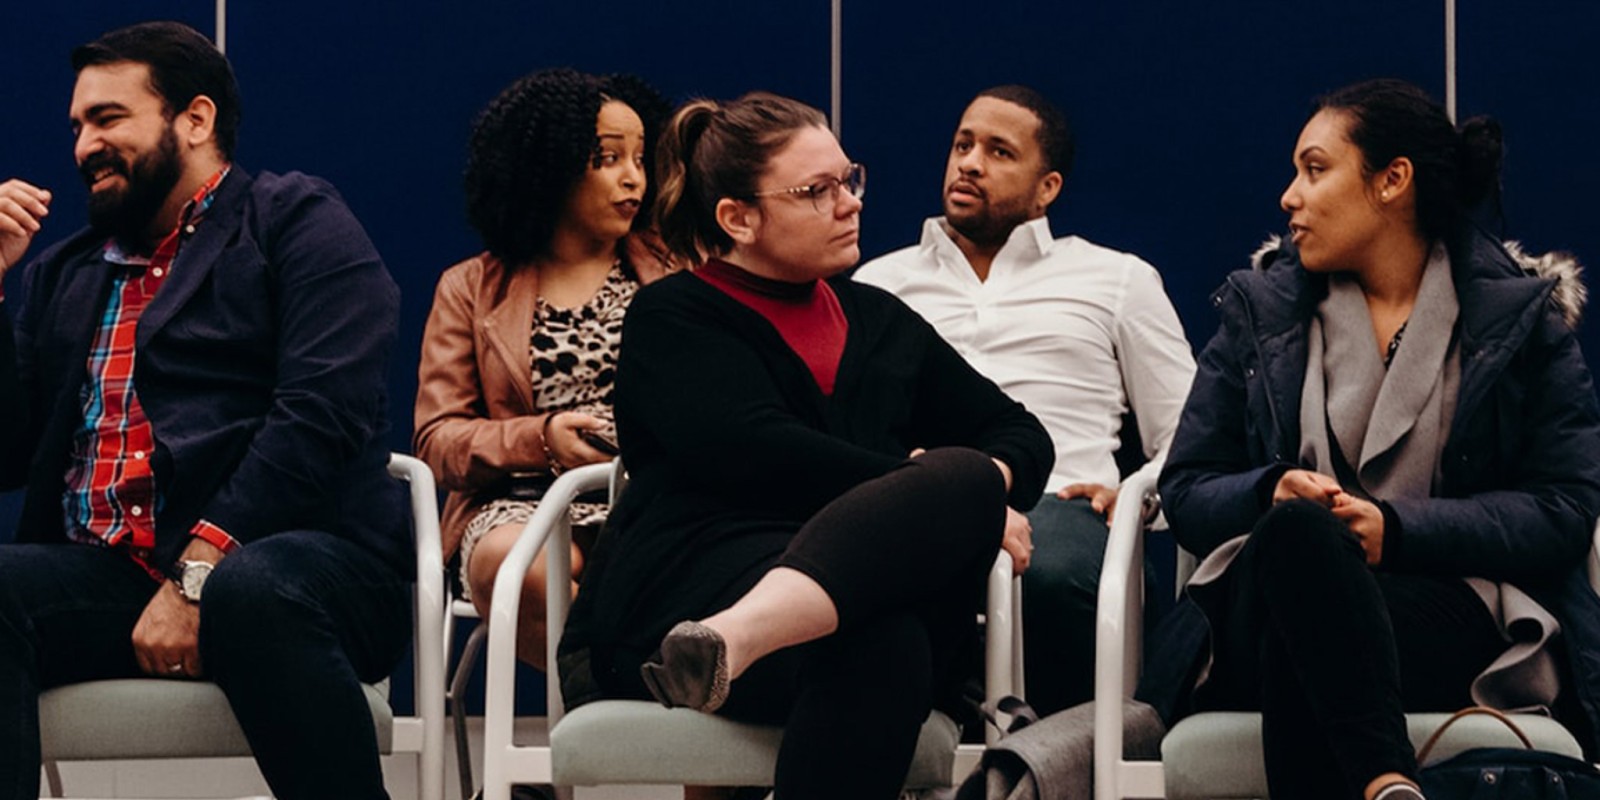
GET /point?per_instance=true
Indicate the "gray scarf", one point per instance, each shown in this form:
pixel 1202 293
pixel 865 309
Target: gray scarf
pixel 1390 424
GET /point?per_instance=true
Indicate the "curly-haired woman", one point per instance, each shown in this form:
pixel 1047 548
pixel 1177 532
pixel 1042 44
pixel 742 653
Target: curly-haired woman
pixel 519 355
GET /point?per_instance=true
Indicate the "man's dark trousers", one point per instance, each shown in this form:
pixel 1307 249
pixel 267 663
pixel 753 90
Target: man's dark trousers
pixel 290 625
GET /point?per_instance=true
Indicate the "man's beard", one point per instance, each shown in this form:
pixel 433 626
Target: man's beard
pixel 126 213
pixel 990 226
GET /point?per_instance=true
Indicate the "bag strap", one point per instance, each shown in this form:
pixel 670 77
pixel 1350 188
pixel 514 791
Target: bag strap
pixel 1427 747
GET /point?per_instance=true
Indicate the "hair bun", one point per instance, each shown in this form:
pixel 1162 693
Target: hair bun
pixel 1482 151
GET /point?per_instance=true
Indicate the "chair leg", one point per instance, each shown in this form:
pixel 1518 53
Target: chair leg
pixel 52 777
pixel 458 705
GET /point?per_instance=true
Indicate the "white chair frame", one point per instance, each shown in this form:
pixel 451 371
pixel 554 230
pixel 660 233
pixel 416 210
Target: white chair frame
pixel 423 733
pixel 507 763
pixel 1118 644
pixel 461 675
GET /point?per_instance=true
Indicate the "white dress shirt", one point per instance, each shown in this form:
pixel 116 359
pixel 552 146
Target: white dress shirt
pixel 1076 332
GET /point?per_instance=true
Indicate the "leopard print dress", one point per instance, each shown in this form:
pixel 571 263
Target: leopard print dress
pixel 573 356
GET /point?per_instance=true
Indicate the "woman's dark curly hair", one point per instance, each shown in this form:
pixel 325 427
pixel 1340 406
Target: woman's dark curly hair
pixel 531 145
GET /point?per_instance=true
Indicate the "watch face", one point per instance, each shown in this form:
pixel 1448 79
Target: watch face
pixel 194 579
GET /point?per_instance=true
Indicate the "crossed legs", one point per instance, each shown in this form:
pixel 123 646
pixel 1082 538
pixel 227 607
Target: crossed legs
pixel 869 612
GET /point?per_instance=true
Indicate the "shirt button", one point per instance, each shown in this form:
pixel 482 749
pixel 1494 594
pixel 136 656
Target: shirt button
pixel 138 454
pixel 158 272
pixel 189 229
pixel 136 510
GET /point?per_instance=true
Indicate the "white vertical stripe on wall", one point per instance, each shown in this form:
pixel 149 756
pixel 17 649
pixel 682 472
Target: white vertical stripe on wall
pixel 837 73
pixel 1449 58
pixel 222 26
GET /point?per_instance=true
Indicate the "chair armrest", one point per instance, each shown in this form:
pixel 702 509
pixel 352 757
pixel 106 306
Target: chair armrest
pixel 1119 620
pixel 430 591
pixel 431 600
pixel 549 523
pixel 1000 640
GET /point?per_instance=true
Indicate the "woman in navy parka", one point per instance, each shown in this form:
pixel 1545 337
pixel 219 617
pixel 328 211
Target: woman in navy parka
pixel 1395 403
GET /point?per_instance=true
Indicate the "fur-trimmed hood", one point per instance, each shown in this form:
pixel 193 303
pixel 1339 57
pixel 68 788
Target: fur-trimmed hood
pixel 1570 295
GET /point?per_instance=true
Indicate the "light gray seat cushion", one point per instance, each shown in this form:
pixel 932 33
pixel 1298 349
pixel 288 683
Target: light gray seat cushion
pixel 149 718
pixel 629 741
pixel 1218 754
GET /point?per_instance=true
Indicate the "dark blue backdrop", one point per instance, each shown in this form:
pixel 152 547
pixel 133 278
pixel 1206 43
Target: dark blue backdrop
pixel 1186 113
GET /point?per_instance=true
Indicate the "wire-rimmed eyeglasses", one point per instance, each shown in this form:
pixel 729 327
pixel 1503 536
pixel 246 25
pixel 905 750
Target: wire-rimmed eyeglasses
pixel 825 193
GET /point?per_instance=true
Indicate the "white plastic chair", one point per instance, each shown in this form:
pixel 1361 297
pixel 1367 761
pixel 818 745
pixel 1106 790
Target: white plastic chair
pixel 191 719
pixel 455 695
pixel 1218 754
pixel 635 742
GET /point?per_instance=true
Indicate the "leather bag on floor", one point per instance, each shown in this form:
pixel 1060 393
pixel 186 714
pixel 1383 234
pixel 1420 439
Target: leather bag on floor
pixel 1490 773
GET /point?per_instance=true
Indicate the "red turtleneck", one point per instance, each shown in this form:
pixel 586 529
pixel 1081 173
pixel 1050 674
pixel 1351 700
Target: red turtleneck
pixel 807 315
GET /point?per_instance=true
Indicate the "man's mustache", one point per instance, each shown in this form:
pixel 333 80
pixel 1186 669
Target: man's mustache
pixel 99 162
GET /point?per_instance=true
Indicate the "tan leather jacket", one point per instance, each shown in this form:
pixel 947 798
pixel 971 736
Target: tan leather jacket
pixel 475 420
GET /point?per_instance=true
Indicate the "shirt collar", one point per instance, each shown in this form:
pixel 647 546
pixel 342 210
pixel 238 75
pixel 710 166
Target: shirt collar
pixel 193 212
pixel 1033 238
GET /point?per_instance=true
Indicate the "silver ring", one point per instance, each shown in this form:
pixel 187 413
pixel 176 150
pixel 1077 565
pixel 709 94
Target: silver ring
pixel 175 668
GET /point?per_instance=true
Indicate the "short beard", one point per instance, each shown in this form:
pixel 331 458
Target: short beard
pixel 988 229
pixel 127 213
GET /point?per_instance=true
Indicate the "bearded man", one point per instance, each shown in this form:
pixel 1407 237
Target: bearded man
pixel 1080 334
pixel 192 396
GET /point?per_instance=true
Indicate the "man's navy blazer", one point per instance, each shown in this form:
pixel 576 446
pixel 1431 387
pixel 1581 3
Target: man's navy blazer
pixel 261 364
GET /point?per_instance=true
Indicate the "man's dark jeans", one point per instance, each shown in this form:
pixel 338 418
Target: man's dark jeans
pixel 290 626
pixel 1060 592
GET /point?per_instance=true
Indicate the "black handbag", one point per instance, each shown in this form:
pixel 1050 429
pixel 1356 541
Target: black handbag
pixel 1485 773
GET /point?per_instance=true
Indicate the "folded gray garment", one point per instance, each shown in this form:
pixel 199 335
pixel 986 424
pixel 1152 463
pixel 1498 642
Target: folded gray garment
pixel 1053 759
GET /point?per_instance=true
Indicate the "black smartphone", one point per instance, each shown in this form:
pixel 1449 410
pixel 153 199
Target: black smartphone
pixel 605 441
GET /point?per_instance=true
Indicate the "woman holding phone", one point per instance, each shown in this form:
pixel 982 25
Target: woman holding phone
pixel 1391 447
pixel 818 484
pixel 519 357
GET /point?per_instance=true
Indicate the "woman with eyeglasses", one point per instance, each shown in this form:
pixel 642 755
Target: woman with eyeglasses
pixel 818 483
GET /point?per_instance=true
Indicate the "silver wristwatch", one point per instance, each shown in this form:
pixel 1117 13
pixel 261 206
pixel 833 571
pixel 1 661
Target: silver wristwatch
pixel 191 578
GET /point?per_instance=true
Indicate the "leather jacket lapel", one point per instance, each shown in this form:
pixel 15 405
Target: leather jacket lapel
pixel 508 327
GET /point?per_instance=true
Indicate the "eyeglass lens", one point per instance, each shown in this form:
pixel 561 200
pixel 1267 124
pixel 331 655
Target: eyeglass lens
pixel 825 194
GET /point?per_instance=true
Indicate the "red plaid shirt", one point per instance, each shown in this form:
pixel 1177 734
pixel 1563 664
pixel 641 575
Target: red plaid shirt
pixel 111 495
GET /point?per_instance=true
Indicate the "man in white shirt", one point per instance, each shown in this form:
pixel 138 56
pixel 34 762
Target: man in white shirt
pixel 1078 333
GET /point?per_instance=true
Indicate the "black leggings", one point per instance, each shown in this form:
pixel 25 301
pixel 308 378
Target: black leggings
pixel 1333 653
pixel 903 558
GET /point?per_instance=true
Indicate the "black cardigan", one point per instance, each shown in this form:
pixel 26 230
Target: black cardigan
pixel 731 447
